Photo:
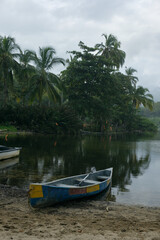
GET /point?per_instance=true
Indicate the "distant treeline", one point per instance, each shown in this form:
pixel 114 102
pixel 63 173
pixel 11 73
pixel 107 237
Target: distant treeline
pixel 154 113
pixel 91 90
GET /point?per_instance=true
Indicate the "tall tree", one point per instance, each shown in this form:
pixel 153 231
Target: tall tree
pixel 24 74
pixel 142 96
pixel 89 85
pixel 111 51
pixel 8 53
pixel 138 94
pixel 45 81
pixel 132 79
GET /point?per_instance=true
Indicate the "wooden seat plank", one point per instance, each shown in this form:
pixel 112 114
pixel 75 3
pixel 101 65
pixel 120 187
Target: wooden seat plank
pixel 102 178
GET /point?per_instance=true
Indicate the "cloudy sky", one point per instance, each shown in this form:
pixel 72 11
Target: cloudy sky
pixel 63 23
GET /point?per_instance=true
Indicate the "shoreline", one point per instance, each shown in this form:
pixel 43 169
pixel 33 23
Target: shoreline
pixel 80 132
pixel 81 220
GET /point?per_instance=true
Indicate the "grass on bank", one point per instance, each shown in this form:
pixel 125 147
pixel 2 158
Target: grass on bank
pixel 9 128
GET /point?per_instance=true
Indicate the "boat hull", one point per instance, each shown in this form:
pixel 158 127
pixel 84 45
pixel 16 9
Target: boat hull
pixel 42 195
pixel 9 154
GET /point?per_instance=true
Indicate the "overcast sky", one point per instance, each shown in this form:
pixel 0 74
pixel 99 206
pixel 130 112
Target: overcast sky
pixel 63 23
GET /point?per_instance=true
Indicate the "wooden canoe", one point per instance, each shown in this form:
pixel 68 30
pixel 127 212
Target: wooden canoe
pixel 85 185
pixel 9 152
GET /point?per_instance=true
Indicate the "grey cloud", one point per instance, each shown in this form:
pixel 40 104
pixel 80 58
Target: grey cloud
pixel 63 23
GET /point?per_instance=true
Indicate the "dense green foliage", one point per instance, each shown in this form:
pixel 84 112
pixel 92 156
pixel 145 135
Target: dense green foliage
pixel 99 92
pixel 91 90
pixel 10 128
pixel 56 120
pixel 22 81
pixel 153 115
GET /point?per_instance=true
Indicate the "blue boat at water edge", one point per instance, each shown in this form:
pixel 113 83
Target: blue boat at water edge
pixel 74 187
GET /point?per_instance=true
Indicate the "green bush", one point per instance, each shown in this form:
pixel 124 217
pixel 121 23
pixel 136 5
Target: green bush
pixel 8 128
pixel 57 120
pixel 143 124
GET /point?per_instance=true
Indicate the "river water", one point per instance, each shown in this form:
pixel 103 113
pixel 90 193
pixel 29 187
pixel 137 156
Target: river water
pixel 135 160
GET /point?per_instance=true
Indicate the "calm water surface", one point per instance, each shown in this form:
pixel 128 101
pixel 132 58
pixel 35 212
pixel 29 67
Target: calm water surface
pixel 135 159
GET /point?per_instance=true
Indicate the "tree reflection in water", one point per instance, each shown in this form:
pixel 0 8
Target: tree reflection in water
pixel 42 160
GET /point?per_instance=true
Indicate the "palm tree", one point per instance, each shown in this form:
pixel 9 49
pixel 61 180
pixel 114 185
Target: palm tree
pixel 129 72
pixel 45 81
pixel 8 54
pixel 24 73
pixel 111 51
pixel 142 96
pixel 138 95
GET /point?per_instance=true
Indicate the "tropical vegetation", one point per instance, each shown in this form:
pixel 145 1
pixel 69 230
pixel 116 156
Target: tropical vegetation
pixel 92 92
pixel 153 115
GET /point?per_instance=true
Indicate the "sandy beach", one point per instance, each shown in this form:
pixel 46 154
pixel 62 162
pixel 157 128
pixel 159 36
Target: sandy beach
pixel 77 220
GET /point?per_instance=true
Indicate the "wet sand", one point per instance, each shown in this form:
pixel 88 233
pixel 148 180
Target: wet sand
pixel 77 220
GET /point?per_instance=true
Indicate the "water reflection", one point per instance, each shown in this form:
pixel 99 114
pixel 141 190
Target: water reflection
pixel 44 158
pixel 8 163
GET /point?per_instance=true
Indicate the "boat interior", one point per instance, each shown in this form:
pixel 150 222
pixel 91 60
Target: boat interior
pixel 82 180
pixel 3 148
pixel 7 149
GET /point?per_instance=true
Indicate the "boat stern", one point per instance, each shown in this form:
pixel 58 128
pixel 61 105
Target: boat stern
pixel 35 194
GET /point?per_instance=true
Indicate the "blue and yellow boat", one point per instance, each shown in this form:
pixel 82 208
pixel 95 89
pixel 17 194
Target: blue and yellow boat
pixel 85 185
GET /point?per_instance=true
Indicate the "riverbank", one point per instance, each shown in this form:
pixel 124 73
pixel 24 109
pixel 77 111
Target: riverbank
pixel 80 220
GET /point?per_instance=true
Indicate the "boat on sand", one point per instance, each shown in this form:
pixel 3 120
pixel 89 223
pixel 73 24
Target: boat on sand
pixel 74 187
